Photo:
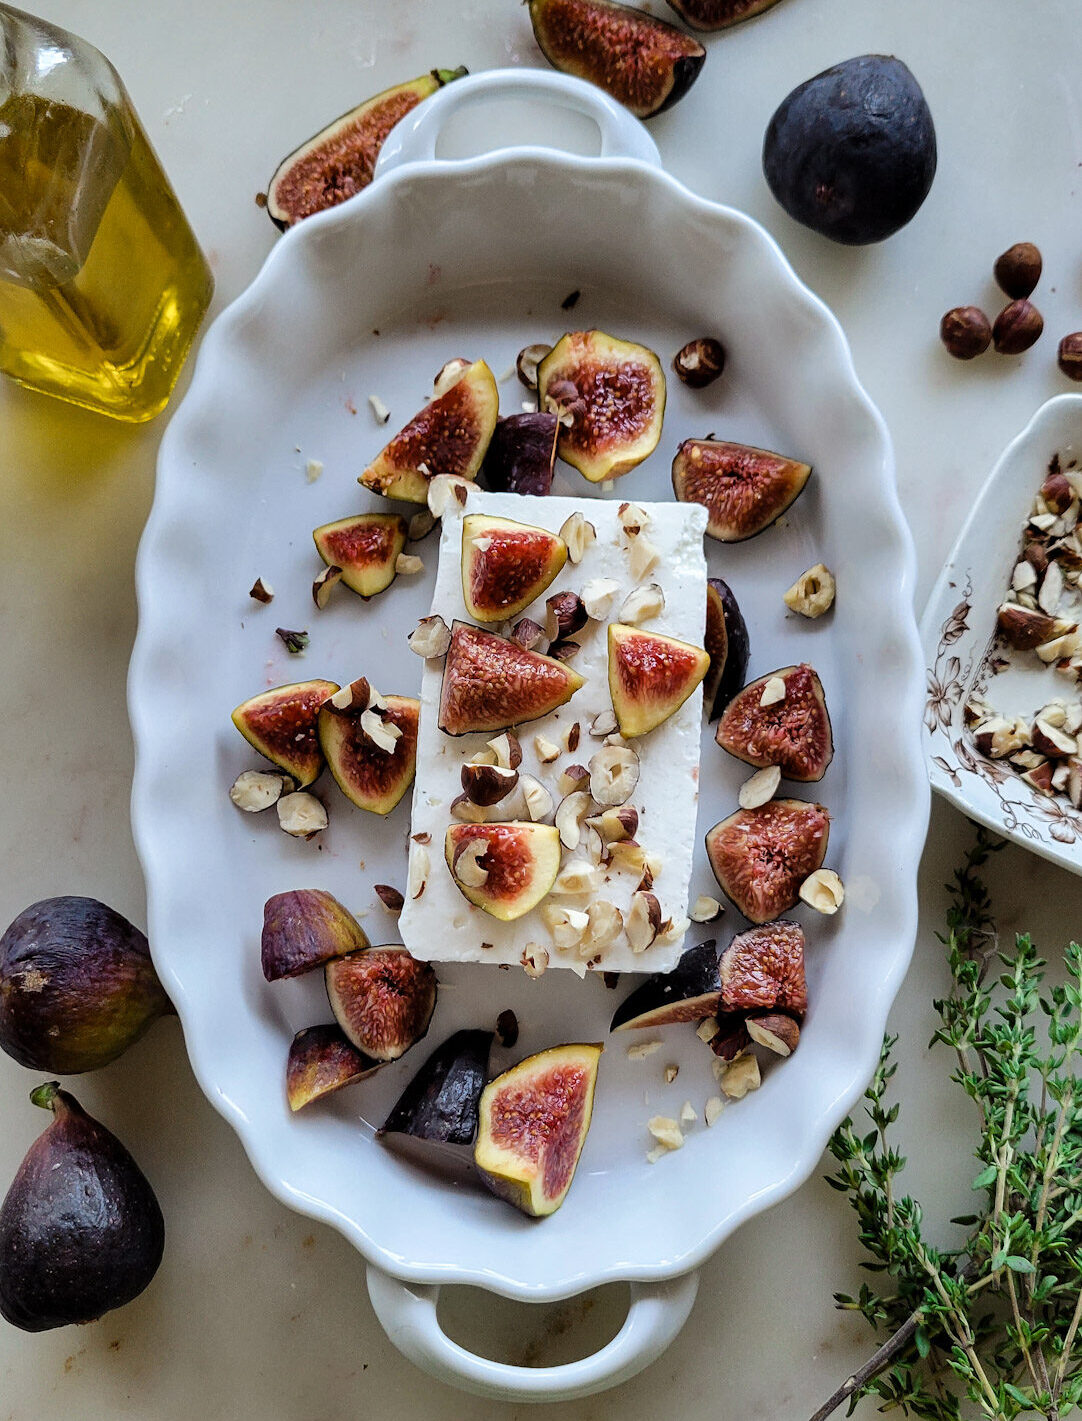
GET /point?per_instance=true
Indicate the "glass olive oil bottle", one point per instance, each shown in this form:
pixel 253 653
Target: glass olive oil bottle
pixel 102 284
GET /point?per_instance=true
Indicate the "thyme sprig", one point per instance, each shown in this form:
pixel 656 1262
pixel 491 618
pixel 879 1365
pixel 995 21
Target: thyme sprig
pixel 988 1328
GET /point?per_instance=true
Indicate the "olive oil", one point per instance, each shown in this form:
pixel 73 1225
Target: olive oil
pixel 102 284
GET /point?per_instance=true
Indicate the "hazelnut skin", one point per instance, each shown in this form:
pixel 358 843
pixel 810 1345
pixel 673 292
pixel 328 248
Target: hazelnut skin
pixel 1017 327
pixel 1018 269
pixel 965 332
pixel 1069 357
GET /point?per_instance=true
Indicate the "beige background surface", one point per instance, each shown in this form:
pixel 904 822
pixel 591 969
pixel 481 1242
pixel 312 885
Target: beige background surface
pixel 257 1313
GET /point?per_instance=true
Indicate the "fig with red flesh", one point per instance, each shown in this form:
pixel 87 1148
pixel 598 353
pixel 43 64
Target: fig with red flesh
pixel 435 1119
pixel 764 967
pixel 370 777
pixel 281 724
pixel 743 489
pixel 613 393
pixel 339 160
pixel 718 14
pixel 366 548
pixel 760 857
pixel 793 733
pixel 506 565
pixel 650 677
pixel 303 929
pixel 521 454
pixel 382 998
pixel 491 683
pixel 322 1061
pixel 448 436
pixel 512 872
pixel 533 1124
pixel 727 646
pixel 643 63
pixel 690 992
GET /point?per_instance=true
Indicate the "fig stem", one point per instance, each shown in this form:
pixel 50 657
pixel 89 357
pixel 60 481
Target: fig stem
pixel 45 1095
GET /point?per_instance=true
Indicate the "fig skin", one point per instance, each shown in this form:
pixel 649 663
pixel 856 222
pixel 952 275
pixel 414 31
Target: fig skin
pixel 744 489
pixel 521 454
pixel 522 860
pixel 718 14
pixel 793 734
pixel 321 1061
pixel 764 967
pixel 440 1108
pixel 382 998
pixel 369 777
pixel 650 677
pixel 533 1124
pixel 281 725
pixel 690 992
pixel 645 64
pixel 506 565
pixel 339 160
pixel 365 547
pixel 303 929
pixel 81 1231
pixel 760 857
pixel 726 644
pixel 491 683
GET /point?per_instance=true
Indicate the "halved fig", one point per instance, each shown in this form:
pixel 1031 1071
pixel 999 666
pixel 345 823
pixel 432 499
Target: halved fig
pixel 435 1118
pixel 449 436
pixel 643 63
pixel 506 565
pixel 760 857
pixel 304 929
pixel 792 732
pixel 650 676
pixel 366 548
pixel 533 1124
pixel 339 160
pixel 718 14
pixel 511 867
pixel 690 992
pixel 370 777
pixel 382 998
pixel 322 1061
pixel 491 683
pixel 522 453
pixel 743 489
pixel 610 396
pixel 726 644
pixel 281 724
pixel 764 967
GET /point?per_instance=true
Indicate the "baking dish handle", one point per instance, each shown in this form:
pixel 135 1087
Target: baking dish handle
pixel 413 139
pixel 407 1311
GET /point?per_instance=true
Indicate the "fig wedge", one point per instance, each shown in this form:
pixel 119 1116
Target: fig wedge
pixel 522 453
pixel 610 397
pixel 760 857
pixel 506 565
pixel 718 14
pixel 435 1119
pixel 512 866
pixel 322 1061
pixel 792 732
pixel 726 644
pixel 365 547
pixel 370 777
pixel 281 724
pixel 304 929
pixel 382 998
pixel 743 489
pixel 491 683
pixel 533 1124
pixel 339 160
pixel 650 677
pixel 448 436
pixel 643 63
pixel 690 992
pixel 764 967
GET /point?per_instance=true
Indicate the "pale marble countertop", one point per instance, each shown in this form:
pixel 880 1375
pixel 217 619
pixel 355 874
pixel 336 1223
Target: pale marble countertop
pixel 256 1312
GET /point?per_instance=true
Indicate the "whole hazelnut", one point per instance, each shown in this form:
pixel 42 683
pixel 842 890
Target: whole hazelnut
pixel 700 362
pixel 1069 358
pixel 1018 269
pixel 965 332
pixel 1017 327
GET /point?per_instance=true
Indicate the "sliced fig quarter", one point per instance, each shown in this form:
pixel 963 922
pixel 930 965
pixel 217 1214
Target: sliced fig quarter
pixel 382 998
pixel 760 857
pixel 690 992
pixel 370 777
pixel 643 63
pixel 533 1124
pixel 281 724
pixel 506 565
pixel 522 453
pixel 727 646
pixel 322 1061
pixel 610 395
pixel 491 683
pixel 718 14
pixel 792 732
pixel 516 864
pixel 448 436
pixel 303 929
pixel 366 548
pixel 650 677
pixel 435 1119
pixel 764 967
pixel 743 489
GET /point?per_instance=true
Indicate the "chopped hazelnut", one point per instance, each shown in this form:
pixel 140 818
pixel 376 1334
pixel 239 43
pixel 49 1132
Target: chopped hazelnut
pixel 301 814
pixel 642 1049
pixel 578 534
pixel 614 773
pixel 261 591
pixel 254 790
pixel 644 557
pixel 467 865
pixel 665 1131
pixel 812 593
pixel 823 891
pixel 761 787
pixel 535 959
pixel 598 596
pixel 390 897
pixel 545 750
pixel 418 874
pixel 742 1076
pixel 642 605
pixel 431 637
pixel 325 584
pixel 705 909
pixel 773 692
pixel 407 564
pixel 713 1108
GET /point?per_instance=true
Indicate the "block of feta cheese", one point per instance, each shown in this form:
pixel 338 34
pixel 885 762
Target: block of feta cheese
pixel 437 922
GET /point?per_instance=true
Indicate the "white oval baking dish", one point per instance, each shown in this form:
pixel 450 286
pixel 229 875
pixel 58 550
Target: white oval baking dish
pixel 445 258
